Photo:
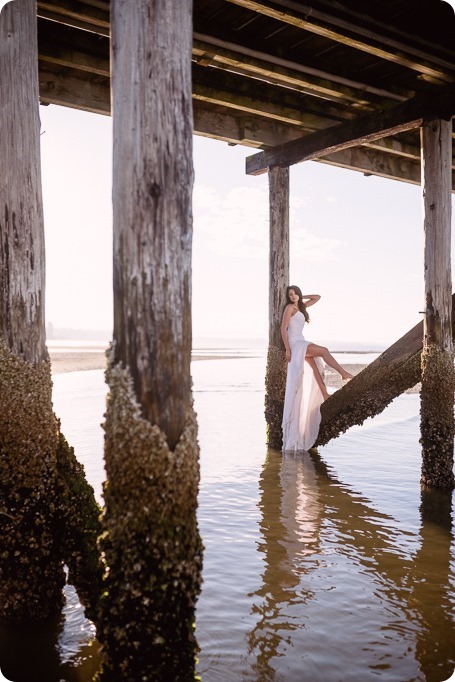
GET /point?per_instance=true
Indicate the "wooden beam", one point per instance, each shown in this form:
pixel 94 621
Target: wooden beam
pixel 245 95
pixel 369 162
pixel 275 380
pixel 406 116
pixel 70 90
pixel 275 69
pixel 354 35
pixel 76 14
pixel 73 48
pixel 438 377
pixel 237 128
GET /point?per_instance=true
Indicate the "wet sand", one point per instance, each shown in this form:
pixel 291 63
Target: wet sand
pixel 78 361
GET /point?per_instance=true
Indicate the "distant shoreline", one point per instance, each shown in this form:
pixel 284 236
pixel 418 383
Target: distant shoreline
pixel 64 360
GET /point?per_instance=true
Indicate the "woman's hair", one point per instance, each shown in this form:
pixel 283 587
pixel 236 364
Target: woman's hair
pixel 301 305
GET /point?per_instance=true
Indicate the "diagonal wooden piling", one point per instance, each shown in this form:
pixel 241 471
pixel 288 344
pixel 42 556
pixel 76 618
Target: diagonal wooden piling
pixel 369 393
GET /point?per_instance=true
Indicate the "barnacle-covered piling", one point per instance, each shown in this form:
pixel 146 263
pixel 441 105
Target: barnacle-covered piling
pixel 275 385
pixel 151 545
pixel 48 513
pixel 42 489
pixel 31 567
pixel 79 527
pixel 436 417
pixel 437 394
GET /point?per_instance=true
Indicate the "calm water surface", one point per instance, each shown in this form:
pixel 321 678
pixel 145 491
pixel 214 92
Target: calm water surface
pixel 327 568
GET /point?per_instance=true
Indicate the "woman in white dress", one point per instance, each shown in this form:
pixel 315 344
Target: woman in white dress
pixel 305 390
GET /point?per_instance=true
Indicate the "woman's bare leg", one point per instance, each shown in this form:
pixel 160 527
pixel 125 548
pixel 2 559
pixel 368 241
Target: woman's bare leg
pixel 317 376
pixel 314 351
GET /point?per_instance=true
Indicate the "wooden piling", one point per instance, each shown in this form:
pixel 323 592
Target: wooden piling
pixel 438 379
pixel 151 543
pixel 275 382
pixel 42 516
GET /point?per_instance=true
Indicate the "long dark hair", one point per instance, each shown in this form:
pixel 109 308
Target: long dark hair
pixel 301 305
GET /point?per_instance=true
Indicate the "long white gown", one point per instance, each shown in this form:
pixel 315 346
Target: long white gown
pixel 303 398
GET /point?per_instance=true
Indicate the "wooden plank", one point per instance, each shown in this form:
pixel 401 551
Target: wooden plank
pixel 438 377
pixel 354 35
pixel 73 48
pixel 73 13
pixel 275 381
pixel 440 102
pixel 70 90
pixel 269 67
pixel 73 22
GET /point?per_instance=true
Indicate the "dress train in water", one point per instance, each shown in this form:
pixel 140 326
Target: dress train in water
pixel 303 398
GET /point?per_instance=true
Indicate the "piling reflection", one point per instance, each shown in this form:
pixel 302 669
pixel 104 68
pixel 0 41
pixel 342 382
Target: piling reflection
pixel 307 515
pixel 33 653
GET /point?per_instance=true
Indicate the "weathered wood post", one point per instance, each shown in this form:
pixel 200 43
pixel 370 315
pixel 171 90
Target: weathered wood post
pixel 42 489
pixel 151 543
pixel 275 382
pixel 438 381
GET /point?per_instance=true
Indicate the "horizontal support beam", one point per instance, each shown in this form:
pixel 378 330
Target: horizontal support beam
pixel 352 34
pixel 254 96
pixel 70 90
pixel 86 16
pixel 439 103
pixel 315 82
pixel 370 162
pixel 70 48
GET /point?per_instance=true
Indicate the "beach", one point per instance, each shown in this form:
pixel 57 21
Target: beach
pixel 69 359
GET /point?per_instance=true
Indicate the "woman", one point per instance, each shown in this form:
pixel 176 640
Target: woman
pixel 305 391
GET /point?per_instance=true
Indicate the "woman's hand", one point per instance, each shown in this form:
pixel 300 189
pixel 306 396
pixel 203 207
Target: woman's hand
pixel 310 299
pixel 288 355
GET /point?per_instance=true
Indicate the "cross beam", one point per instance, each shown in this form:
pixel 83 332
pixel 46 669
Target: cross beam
pixel 436 103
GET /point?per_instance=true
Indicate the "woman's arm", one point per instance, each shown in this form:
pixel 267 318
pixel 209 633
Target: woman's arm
pixel 310 299
pixel 287 314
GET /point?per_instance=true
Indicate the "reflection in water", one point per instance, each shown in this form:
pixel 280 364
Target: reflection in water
pixel 43 653
pixel 390 587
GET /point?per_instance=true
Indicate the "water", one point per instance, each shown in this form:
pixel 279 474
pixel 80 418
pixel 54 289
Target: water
pixel 326 568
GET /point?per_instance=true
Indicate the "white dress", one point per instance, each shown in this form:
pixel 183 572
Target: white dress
pixel 303 398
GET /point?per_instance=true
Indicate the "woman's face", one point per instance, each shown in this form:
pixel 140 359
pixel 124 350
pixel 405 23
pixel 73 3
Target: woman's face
pixel 293 297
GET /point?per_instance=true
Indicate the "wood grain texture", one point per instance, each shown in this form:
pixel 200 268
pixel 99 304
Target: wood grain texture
pixel 436 190
pixel 401 117
pixel 278 281
pixel 152 191
pixel 438 378
pixel 279 250
pixel 22 265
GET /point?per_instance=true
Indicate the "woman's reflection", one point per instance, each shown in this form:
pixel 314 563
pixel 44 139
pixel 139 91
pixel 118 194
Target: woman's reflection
pixel 332 565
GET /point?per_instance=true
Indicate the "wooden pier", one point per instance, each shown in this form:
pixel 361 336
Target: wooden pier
pixel 366 86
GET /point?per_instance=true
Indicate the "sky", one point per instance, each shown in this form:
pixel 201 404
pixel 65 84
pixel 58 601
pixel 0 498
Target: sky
pixel 355 240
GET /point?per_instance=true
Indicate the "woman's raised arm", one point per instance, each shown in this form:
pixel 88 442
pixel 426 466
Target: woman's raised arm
pixel 310 299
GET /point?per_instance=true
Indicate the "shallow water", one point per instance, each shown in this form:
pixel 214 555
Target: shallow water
pixel 325 568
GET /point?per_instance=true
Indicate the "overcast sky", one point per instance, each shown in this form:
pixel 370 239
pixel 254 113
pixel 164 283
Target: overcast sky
pixel 355 240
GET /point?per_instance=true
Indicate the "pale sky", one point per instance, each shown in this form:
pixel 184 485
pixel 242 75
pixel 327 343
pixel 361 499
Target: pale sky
pixel 357 241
